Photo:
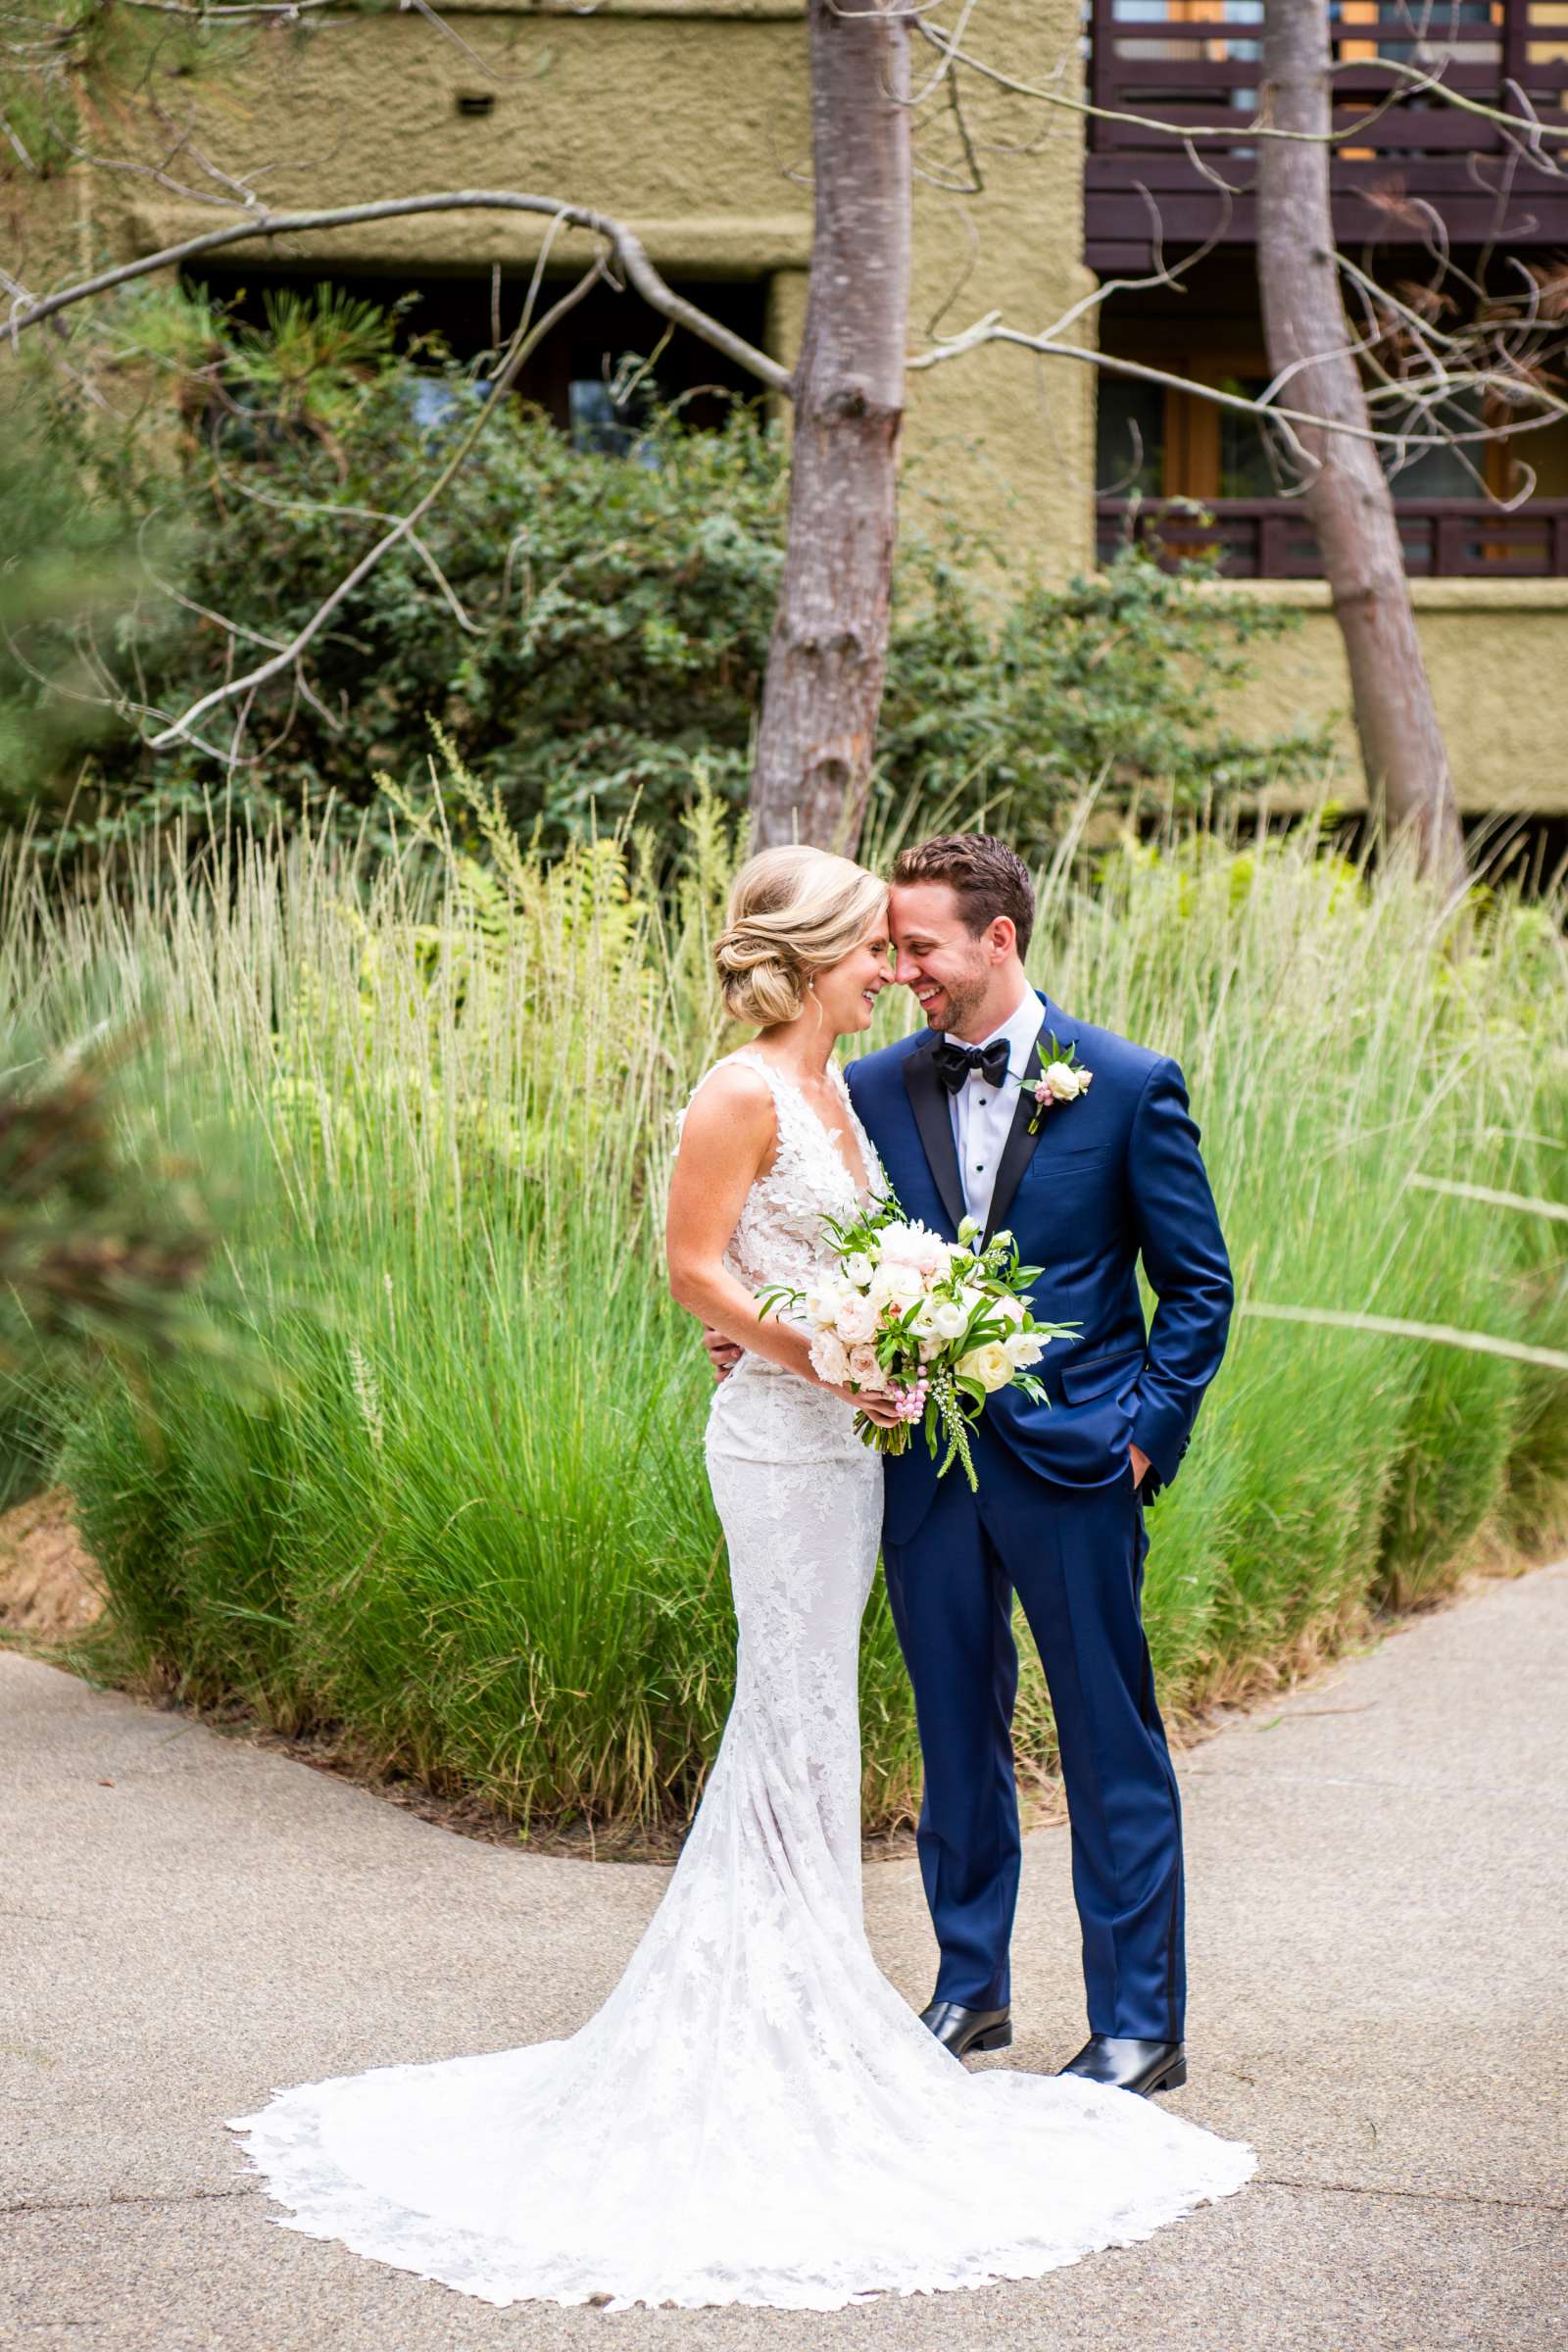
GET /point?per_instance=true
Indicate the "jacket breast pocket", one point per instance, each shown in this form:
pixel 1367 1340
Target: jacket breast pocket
pixel 1097 1375
pixel 1093 1163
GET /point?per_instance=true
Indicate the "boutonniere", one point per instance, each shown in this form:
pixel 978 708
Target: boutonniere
pixel 1063 1080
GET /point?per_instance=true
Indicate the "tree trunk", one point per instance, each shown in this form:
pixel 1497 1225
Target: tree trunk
pixel 1348 498
pixel 828 655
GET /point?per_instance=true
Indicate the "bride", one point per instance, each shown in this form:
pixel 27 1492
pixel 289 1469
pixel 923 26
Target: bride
pixel 754 2116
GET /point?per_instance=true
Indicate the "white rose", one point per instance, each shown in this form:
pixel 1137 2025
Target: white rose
pixel 822 1306
pixel 864 1370
pixel 1009 1308
pixel 988 1364
pixel 830 1359
pixel 1023 1348
pixel 855 1319
pixel 857 1270
pixel 949 1320
pixel 1062 1082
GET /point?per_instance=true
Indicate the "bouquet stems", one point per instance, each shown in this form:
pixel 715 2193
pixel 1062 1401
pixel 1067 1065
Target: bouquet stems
pixel 950 1413
pixel 883 1440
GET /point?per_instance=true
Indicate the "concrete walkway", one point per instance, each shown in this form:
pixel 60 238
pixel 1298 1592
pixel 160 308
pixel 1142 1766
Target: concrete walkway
pixel 1379 1932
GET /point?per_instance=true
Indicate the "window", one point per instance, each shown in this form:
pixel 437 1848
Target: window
pixel 1129 437
pixel 573 375
pixel 1166 455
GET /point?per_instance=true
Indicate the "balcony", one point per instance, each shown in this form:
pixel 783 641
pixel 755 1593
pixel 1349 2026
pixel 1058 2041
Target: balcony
pixel 1271 539
pixel 1195 64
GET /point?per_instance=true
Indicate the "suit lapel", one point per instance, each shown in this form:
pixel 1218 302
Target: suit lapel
pixel 1020 1146
pixel 929 1100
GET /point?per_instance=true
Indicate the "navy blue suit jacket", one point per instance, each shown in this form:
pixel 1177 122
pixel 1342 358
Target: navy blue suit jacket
pixel 1114 1174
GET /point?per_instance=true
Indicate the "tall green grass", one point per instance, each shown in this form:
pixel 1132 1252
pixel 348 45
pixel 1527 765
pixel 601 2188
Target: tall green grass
pixel 468 1526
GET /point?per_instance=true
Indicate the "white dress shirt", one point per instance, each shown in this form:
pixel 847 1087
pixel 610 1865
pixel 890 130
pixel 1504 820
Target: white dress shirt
pixel 982 1114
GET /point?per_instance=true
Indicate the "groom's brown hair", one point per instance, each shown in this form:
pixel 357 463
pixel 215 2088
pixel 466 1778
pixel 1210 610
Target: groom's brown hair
pixel 984 876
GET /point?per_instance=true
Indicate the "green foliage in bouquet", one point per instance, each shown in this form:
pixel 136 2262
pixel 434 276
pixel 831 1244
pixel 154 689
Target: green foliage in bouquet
pixel 940 1326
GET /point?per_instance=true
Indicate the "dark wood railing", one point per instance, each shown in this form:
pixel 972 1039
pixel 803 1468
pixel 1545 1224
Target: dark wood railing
pixel 1271 539
pixel 1162 59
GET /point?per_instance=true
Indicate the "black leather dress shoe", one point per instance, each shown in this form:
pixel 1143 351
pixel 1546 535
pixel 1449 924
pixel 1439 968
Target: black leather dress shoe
pixel 961 2030
pixel 1129 2065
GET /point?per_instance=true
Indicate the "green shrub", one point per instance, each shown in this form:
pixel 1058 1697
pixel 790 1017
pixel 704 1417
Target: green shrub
pixel 470 1526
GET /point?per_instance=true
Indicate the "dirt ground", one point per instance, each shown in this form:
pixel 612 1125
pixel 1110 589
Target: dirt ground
pixel 49 1587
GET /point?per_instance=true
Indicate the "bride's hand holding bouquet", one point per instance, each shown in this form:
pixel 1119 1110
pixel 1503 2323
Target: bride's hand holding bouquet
pixel 913 1329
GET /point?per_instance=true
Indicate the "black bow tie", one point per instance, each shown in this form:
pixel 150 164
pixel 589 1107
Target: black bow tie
pixel 954 1062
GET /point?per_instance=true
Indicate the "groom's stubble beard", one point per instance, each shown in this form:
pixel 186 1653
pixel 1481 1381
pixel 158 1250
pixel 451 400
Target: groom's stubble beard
pixel 959 1003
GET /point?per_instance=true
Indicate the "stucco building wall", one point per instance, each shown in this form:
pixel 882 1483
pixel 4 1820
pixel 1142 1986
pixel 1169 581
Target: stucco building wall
pixel 1491 647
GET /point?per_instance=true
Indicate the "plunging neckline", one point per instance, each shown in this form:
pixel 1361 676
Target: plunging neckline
pixel 863 1196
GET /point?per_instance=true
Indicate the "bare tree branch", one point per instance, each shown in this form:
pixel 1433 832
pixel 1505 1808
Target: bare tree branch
pixel 232 12
pixel 627 246
pixel 990 329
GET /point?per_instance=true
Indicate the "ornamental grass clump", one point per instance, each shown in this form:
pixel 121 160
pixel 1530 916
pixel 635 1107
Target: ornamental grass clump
pixel 463 1527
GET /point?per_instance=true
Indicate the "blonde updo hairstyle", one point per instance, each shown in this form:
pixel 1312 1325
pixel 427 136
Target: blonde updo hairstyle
pixel 793 912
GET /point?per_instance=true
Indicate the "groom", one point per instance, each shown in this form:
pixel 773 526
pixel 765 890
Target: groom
pixel 1088 1185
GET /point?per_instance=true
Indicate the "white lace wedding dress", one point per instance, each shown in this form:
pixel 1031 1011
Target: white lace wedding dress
pixel 754 2115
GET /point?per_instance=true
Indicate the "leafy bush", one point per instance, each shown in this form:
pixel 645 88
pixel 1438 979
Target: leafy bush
pixel 1116 680
pixel 583 626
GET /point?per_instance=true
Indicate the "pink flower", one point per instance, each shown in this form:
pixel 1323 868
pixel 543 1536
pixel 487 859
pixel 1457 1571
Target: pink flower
pixel 857 1318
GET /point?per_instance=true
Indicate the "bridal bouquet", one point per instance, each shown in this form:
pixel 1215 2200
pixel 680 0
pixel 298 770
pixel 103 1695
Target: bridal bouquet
pixel 935 1326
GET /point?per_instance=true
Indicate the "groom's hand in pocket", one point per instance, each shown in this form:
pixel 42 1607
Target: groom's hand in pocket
pixel 722 1354
pixel 1140 1464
